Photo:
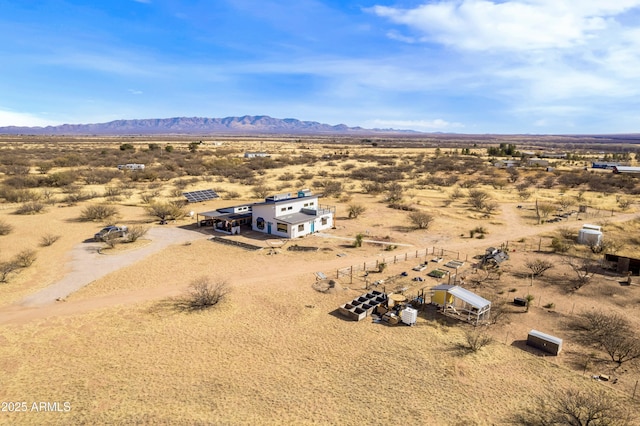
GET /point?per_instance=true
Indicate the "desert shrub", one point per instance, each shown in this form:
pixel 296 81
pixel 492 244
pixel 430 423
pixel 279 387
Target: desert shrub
pixel 261 191
pixel 203 294
pixel 381 267
pixel 358 241
pixel 48 239
pixel 127 147
pixel 421 219
pixel 287 177
pixel 6 268
pixel 99 176
pixel 135 232
pixel 538 266
pixel 18 195
pixel 5 228
pixel 113 191
pixel 560 245
pixel 33 207
pixel 98 212
pixel 373 188
pixel 476 339
pixel 165 211
pixel 25 258
pixel 356 210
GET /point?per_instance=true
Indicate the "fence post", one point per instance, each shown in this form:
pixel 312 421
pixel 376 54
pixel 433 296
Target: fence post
pixel 351 276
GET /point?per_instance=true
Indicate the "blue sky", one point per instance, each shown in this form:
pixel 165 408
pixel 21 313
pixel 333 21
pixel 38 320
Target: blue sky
pixel 466 66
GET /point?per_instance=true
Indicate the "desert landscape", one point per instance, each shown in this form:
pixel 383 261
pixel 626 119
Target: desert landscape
pixel 104 332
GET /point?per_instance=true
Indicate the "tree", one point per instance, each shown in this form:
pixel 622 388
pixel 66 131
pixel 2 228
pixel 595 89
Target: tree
pixel 356 210
pixel 612 333
pixel 529 298
pixel 584 269
pixel 261 191
pixel 478 198
pixel 575 408
pixel 421 219
pixel 203 293
pixel 543 210
pixel 538 266
pixel 165 211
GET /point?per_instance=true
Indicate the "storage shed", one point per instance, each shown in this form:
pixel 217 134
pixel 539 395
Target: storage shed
pixel 590 235
pixel 544 342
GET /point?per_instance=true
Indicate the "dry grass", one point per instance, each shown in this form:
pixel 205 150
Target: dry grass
pixel 275 352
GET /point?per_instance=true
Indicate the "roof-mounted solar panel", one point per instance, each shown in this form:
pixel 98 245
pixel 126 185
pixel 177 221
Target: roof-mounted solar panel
pixel 201 195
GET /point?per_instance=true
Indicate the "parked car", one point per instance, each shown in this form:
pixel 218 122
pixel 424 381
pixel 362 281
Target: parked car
pixel 109 232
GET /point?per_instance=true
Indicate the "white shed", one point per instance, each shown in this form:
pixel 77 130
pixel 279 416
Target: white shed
pixel 590 235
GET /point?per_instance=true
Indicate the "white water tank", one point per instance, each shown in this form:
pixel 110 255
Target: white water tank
pixel 409 316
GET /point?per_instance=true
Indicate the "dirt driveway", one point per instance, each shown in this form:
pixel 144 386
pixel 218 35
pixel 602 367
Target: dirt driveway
pixel 87 264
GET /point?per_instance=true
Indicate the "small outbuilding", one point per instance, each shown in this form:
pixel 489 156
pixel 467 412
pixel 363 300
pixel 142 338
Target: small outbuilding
pixel 461 302
pixel 590 235
pixel 544 342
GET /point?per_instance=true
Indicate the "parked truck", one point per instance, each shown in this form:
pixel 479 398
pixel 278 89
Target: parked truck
pixel 110 232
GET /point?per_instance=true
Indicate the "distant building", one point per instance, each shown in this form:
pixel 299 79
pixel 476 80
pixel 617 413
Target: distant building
pixel 604 165
pixel 503 164
pixel 256 154
pixel 626 170
pixel 131 166
pixel 537 162
pixel 553 155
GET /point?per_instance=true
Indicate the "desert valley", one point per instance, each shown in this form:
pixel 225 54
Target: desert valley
pixel 120 332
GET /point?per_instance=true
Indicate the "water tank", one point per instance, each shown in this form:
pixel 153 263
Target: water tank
pixel 409 316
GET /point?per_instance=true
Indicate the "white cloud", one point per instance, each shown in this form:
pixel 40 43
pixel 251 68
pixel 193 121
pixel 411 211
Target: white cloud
pixel 437 124
pixel 135 92
pixel 11 118
pixel 509 25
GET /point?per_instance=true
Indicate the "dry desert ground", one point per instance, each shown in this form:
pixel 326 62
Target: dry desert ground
pixel 98 333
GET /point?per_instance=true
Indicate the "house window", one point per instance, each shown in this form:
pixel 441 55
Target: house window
pixel 301 227
pixel 290 208
pixel 260 223
pixel 306 204
pixel 323 221
pixel 282 227
pixel 283 209
pixel 311 203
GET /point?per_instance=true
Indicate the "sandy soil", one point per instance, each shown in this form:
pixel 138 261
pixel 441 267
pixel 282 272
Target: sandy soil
pixel 276 351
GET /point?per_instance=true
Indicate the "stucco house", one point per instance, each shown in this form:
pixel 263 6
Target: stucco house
pixel 290 216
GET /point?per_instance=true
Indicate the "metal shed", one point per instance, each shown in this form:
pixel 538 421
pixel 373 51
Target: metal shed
pixel 545 342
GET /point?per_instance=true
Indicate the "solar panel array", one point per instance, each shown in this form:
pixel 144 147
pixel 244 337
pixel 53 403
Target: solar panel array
pixel 202 195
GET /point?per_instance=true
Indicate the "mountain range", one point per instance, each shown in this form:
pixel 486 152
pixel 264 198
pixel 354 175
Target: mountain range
pixel 259 124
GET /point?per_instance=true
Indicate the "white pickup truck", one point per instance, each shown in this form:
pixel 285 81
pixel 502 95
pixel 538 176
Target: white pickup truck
pixel 111 231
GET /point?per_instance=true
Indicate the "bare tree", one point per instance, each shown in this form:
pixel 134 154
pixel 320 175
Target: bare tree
pixel 538 266
pixel 421 219
pixel 478 198
pixel 584 269
pixel 612 333
pixel 575 408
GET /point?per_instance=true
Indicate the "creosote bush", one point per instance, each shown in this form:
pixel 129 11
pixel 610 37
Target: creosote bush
pixel 5 228
pixel 25 258
pixel 98 212
pixel 48 239
pixel 33 207
pixel 203 293
pixel 135 232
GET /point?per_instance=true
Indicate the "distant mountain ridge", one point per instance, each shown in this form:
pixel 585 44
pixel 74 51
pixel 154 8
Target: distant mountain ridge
pixel 247 124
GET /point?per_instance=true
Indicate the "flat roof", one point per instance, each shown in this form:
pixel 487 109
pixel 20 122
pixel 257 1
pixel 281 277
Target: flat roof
pixel 469 297
pixel 547 337
pixel 294 218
